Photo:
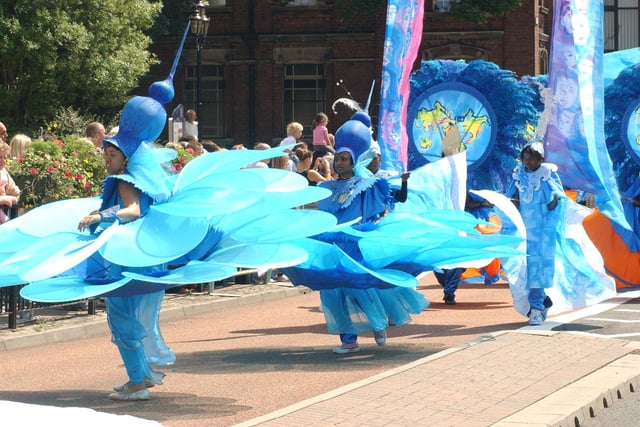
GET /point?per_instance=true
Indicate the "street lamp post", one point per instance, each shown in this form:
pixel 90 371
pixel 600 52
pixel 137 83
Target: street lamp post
pixel 199 27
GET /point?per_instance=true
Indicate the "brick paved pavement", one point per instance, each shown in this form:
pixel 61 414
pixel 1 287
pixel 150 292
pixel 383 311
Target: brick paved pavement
pixel 506 379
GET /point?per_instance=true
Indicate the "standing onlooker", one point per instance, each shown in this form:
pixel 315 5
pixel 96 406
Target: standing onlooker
pixel 3 133
pixel 294 133
pixel 9 191
pixel 322 139
pixel 18 144
pixel 536 190
pixel 191 124
pixel 96 132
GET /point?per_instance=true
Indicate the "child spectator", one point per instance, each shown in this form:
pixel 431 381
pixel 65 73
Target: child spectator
pixel 322 139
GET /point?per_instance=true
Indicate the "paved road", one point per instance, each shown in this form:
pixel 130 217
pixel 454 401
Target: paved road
pixel 245 361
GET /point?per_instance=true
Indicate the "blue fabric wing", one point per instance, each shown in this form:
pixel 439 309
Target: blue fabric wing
pixel 57 253
pixel 296 198
pixel 167 237
pixel 60 289
pixel 328 266
pixel 283 225
pixel 63 215
pixel 218 194
pixel 221 161
pixel 153 240
pixel 193 272
pixel 262 255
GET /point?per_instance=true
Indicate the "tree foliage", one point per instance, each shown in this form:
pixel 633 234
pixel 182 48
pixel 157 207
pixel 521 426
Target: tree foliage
pixel 479 11
pixel 80 54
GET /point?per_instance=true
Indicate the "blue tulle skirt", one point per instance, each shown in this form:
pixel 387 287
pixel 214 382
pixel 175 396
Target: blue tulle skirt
pixel 352 311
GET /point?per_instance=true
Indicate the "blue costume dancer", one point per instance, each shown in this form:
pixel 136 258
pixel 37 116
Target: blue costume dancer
pixel 538 191
pixel 154 230
pixel 365 269
pixel 365 199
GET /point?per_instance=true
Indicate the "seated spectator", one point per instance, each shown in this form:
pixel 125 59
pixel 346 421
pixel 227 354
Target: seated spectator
pixel 321 170
pixel 210 146
pixel 262 163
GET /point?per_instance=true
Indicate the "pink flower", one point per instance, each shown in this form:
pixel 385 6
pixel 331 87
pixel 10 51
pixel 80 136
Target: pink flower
pixel 51 169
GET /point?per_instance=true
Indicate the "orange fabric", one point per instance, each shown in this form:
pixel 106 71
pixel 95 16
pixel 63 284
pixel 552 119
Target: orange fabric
pixel 572 194
pixel 494 226
pixel 620 263
pixel 493 268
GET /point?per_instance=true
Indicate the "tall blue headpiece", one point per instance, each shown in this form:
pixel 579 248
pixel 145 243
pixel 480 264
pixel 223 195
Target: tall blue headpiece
pixel 143 118
pixel 354 136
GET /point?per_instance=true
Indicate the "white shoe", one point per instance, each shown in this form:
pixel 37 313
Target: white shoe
pixel 381 337
pixel 125 387
pixel 536 318
pixel 131 395
pixel 347 348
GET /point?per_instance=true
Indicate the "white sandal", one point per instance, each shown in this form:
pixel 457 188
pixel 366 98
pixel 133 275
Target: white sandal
pixel 132 395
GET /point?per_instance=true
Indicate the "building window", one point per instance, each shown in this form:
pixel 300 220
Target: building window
pixel 211 120
pixel 302 2
pixel 443 6
pixel 304 94
pixel 621 24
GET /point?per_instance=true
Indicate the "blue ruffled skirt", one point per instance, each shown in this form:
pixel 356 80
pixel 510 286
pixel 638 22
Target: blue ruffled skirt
pixel 353 311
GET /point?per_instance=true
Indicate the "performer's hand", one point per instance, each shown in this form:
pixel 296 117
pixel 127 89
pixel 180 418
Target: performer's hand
pixel 405 176
pixel 85 222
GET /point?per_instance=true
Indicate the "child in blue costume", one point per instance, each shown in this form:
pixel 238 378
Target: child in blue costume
pixel 356 195
pixel 537 191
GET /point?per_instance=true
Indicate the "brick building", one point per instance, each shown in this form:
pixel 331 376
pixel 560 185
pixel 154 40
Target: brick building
pixel 265 64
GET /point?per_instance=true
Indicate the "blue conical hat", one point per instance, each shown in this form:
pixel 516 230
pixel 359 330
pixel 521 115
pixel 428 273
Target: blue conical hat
pixel 143 118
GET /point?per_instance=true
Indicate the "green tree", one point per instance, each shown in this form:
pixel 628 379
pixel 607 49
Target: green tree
pixel 82 54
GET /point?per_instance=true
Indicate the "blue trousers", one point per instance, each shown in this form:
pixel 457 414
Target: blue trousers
pixel 449 280
pixel 537 297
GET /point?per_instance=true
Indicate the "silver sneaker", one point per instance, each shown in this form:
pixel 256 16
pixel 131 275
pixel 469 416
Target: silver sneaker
pixel 536 318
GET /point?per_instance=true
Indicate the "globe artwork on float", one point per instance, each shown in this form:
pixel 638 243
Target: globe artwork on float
pixel 449 118
pixel 631 129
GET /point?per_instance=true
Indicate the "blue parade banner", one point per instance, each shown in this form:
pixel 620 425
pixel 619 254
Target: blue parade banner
pixel 402 40
pixel 573 120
